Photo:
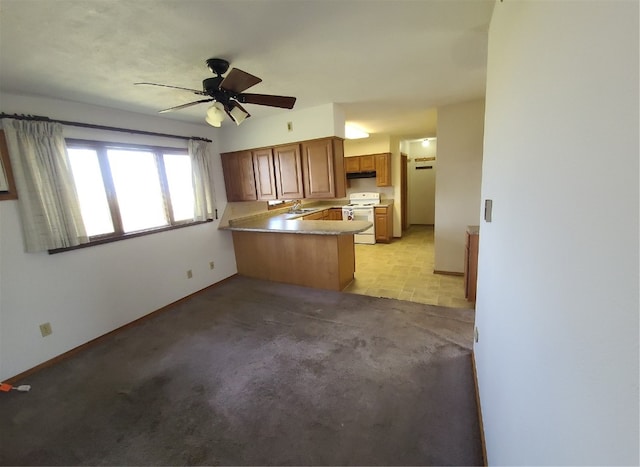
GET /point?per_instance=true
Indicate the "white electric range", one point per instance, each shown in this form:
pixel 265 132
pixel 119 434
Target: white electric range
pixel 361 208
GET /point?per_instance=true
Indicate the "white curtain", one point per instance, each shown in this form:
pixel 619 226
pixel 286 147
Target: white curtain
pixel 203 188
pixel 47 198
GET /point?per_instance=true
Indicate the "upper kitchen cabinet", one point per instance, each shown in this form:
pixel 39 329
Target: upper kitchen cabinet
pixel 383 169
pixel 367 163
pixel 352 164
pixel 355 164
pixel 378 163
pixel 288 170
pixel 264 172
pixel 307 169
pixel 239 179
pixel 323 168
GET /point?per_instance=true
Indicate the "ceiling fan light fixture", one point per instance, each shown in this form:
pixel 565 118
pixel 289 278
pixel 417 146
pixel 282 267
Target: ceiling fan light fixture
pixel 238 114
pixel 215 115
pixel 352 132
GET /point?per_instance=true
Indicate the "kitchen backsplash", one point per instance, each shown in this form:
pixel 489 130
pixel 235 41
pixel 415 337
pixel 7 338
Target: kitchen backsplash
pixel 369 184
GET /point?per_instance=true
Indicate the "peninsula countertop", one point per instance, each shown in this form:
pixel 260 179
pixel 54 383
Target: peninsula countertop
pixel 281 223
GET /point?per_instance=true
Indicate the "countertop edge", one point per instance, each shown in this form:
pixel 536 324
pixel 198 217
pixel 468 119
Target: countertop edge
pixel 303 227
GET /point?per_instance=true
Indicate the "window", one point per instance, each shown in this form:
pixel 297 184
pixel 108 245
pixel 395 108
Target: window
pixel 130 189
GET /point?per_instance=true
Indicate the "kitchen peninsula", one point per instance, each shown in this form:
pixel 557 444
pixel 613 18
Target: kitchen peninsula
pixel 286 248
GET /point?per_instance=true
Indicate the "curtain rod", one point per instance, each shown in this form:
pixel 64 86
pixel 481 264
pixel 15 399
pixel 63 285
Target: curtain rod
pixel 99 127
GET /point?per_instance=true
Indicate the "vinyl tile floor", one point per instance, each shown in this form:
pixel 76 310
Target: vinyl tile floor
pixel 403 269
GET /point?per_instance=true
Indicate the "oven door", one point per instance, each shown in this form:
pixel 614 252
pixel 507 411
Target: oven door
pixel 364 214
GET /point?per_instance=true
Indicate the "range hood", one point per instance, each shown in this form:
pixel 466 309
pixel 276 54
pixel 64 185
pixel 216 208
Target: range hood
pixel 353 175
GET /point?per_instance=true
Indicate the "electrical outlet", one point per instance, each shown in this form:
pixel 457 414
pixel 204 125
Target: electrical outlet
pixel 211 265
pixel 45 329
pixel 189 274
pixel 289 126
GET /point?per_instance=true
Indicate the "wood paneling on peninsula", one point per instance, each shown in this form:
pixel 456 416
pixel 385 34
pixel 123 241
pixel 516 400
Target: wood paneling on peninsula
pixel 320 261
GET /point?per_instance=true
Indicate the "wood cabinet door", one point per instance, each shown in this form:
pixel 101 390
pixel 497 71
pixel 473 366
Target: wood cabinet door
pixel 288 169
pixel 335 214
pixel 471 267
pixel 231 176
pixel 317 169
pixel 381 225
pixel 367 163
pixel 352 164
pixel 237 168
pixel 383 169
pixel 316 216
pixel 264 173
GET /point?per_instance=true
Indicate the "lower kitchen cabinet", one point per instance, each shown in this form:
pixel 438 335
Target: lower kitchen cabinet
pixel 384 223
pixel 317 216
pixel 335 214
pixel 471 263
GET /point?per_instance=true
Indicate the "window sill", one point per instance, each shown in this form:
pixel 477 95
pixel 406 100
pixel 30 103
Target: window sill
pixel 140 233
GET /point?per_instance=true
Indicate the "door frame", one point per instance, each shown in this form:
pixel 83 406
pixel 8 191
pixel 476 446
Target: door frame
pixel 404 191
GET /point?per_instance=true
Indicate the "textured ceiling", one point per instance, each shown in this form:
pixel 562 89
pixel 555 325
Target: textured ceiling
pixel 387 63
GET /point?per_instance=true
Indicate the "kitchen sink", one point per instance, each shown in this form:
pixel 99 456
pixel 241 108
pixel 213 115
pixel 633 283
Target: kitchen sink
pixel 303 210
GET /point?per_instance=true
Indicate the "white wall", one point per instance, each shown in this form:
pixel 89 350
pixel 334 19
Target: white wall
pixel 460 133
pixel 88 292
pixel 311 123
pixel 374 144
pixel 557 305
pixel 421 184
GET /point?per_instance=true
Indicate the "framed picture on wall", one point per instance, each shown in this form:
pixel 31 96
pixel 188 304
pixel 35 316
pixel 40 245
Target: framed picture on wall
pixel 7 184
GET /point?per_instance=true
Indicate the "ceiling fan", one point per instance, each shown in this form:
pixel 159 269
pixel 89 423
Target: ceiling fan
pixel 227 94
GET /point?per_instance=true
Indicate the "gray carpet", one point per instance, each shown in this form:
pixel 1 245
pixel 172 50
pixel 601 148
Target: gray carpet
pixel 258 373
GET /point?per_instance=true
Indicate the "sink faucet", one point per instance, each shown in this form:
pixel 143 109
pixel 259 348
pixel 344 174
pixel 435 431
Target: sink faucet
pixel 297 204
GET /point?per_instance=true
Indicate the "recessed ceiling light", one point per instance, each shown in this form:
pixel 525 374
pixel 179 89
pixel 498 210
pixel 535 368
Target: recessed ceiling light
pixel 352 132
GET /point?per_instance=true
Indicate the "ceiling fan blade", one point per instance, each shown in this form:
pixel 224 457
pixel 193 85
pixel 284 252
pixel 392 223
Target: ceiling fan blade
pixel 201 93
pixel 185 105
pixel 238 80
pixel 284 102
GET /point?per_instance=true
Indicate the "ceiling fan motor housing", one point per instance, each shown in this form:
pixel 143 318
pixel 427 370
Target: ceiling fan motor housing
pixel 219 66
pixel 212 85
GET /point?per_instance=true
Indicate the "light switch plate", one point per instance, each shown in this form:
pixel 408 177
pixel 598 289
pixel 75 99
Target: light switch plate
pixel 488 207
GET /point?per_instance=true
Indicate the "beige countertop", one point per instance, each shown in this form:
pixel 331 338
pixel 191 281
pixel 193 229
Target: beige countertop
pixel 284 224
pixel 288 222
